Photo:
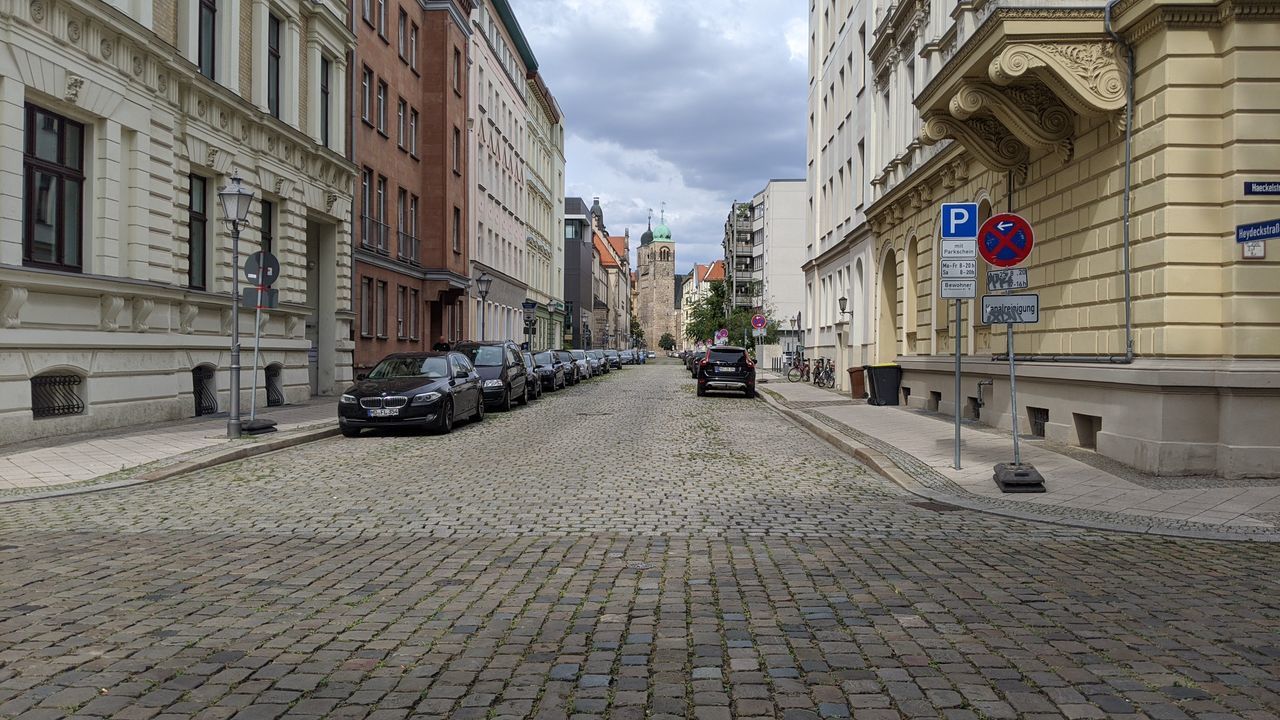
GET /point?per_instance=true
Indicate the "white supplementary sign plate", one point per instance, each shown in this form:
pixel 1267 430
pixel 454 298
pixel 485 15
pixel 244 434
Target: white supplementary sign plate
pixel 959 269
pixel 958 289
pixel 959 249
pixel 1011 279
pixel 1011 309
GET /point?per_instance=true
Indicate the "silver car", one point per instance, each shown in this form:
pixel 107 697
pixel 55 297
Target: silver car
pixel 585 368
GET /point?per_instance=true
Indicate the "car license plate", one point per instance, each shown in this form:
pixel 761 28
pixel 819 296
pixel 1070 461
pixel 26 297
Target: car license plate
pixel 723 369
pixel 384 412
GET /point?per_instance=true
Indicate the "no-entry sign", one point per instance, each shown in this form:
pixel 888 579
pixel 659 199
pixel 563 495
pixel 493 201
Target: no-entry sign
pixel 1005 240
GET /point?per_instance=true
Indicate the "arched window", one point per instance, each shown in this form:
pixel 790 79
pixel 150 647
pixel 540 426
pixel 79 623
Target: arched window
pixel 204 390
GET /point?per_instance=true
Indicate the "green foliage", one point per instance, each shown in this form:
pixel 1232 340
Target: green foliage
pixel 667 342
pixel 708 315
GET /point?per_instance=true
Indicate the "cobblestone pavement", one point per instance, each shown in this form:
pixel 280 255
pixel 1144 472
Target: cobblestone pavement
pixel 623 549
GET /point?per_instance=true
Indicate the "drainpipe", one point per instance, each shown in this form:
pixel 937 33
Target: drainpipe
pixel 1127 358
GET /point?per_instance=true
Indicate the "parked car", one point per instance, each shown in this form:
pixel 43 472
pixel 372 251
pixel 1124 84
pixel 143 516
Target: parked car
pixel 653 355
pixel 599 365
pixel 550 370
pixel 727 367
pixel 533 383
pixel 572 370
pixel 614 358
pixel 431 390
pixel 501 370
pixel 691 362
pixel 585 367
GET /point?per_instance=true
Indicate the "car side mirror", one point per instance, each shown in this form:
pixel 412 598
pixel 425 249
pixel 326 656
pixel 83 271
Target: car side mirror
pixel 361 376
pixel 460 374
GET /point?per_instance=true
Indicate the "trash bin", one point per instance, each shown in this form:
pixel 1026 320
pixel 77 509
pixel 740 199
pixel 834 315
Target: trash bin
pixel 857 383
pixel 885 380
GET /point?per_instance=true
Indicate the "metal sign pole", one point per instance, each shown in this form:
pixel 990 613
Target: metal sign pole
pixel 257 346
pixel 959 331
pixel 1013 396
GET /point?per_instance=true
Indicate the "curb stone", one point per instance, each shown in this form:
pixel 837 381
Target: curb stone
pixel 167 472
pixel 886 467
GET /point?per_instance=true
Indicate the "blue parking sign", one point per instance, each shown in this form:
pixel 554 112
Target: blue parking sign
pixel 959 221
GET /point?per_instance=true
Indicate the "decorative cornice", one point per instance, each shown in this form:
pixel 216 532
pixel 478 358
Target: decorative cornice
pixel 1032 113
pixel 1086 75
pixel 984 136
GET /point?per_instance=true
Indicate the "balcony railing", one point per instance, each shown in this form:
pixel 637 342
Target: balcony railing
pixel 374 234
pixel 407 247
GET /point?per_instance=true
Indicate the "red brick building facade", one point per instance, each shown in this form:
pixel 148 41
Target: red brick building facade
pixel 409 135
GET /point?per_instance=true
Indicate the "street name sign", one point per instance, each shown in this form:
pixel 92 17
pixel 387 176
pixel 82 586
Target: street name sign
pixel 1005 240
pixel 959 221
pixel 1264 230
pixel 1013 309
pixel 959 249
pixel 1011 279
pixel 1256 187
pixel 959 269
pixel 958 289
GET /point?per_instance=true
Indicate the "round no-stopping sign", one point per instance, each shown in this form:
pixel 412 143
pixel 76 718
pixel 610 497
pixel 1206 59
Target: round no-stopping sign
pixel 1005 240
pixel 758 322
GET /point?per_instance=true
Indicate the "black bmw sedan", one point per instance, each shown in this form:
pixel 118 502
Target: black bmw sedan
pixel 429 390
pixel 550 370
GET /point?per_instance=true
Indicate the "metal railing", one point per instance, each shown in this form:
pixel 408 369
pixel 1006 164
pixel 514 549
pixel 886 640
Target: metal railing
pixel 56 395
pixel 407 247
pixel 374 233
pixel 275 386
pixel 203 391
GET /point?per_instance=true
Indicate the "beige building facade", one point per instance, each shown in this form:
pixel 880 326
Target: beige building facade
pixel 1158 339
pixel 122 121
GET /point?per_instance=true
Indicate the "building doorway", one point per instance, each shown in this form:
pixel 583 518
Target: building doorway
pixel 887 337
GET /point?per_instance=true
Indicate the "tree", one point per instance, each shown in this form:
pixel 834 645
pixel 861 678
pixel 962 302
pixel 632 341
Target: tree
pixel 667 342
pixel 709 315
pixel 636 331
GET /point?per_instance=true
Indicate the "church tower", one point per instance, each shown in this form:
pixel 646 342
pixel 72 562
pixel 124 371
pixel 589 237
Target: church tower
pixel 656 282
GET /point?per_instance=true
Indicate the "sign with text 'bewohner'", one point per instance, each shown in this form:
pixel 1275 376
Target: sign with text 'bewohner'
pixel 958 289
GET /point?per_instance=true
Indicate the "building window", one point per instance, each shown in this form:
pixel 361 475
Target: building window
pixel 413 133
pixel 380 309
pixel 407 237
pixel 401 121
pixel 457 150
pixel 366 11
pixel 268 230
pixel 197 240
pixel 402 301
pixel 368 238
pixel 326 68
pixel 366 307
pixel 413 46
pixel 55 394
pixel 366 95
pixel 415 318
pixel 402 34
pixel 457 70
pixel 457 229
pixel 382 107
pixel 207 46
pixel 382 214
pixel 53 164
pixel 413 225
pixel 382 19
pixel 273 65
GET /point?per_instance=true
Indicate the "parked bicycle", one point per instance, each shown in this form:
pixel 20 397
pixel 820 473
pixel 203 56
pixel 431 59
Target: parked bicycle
pixel 824 374
pixel 799 369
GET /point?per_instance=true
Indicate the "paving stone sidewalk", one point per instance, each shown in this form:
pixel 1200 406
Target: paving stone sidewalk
pixel 1082 488
pixel 58 462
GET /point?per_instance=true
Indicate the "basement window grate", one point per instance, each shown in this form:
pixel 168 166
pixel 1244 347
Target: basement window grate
pixel 56 396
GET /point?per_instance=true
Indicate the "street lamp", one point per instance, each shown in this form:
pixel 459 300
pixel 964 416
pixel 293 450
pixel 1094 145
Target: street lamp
pixel 236 199
pixel 482 289
pixel 793 333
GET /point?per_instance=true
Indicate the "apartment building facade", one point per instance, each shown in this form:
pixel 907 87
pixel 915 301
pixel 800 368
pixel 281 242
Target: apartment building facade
pixel 544 212
pixel 579 260
pixel 739 257
pixel 1155 346
pixel 411 103
pixel 125 119
pixel 778 257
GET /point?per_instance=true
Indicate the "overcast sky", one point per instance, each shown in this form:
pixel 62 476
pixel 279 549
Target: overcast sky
pixel 696 104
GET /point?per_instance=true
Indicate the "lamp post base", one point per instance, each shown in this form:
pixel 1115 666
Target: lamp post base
pixel 259 426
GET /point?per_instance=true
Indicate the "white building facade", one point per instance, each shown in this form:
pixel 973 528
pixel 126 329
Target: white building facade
pixel 122 121
pixel 779 242
pixel 544 217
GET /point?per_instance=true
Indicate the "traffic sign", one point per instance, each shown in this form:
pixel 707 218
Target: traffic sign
pixel 1258 231
pixel 1014 309
pixel 959 269
pixel 1011 279
pixel 264 263
pixel 722 336
pixel 959 221
pixel 759 332
pixel 529 304
pixel 249 297
pixel 528 315
pixel 958 289
pixel 959 249
pixel 758 321
pixel 1255 187
pixel 1005 240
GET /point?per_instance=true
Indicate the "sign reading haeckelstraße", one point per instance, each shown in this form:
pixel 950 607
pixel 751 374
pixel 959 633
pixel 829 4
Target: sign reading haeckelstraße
pixel 1014 309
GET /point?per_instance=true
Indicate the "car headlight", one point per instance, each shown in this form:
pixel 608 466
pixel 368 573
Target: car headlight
pixel 492 383
pixel 347 400
pixel 425 398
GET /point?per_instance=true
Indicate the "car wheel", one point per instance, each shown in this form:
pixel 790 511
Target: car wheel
pixel 350 432
pixel 751 393
pixel 506 401
pixel 478 415
pixel 527 395
pixel 445 426
pixel 702 392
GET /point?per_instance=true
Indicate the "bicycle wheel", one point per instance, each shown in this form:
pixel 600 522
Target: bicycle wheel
pixel 831 379
pixel 793 374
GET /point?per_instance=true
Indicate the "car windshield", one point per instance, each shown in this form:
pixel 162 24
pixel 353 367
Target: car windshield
pixel 725 356
pixel 528 359
pixel 485 355
pixel 544 358
pixel 578 354
pixel 432 367
pixel 595 354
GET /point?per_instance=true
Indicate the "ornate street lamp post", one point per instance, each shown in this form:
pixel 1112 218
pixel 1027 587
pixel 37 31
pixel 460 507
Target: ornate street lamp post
pixel 482 289
pixel 236 199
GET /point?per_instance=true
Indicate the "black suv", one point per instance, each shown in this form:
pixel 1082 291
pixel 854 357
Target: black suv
pixel 726 367
pixel 503 375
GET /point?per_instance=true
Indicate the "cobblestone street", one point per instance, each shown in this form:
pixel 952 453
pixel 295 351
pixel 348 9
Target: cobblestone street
pixel 622 549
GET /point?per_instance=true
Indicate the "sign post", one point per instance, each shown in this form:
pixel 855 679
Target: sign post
pixel 1005 240
pixel 530 322
pixel 958 278
pixel 262 269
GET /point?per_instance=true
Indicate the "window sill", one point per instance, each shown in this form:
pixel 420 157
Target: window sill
pixel 383 133
pixel 457 173
pixel 366 121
